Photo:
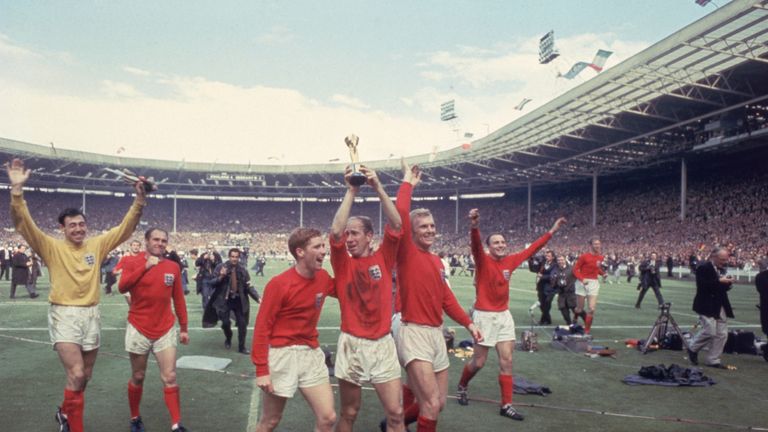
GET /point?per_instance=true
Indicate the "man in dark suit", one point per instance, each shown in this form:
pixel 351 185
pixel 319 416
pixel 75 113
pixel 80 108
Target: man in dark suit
pixel 21 265
pixel 545 287
pixel 650 278
pixel 232 285
pixel 714 308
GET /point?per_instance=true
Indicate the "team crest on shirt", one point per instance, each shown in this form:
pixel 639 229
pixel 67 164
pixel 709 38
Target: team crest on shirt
pixel 506 274
pixel 90 259
pixel 374 272
pixel 318 300
pixel 168 278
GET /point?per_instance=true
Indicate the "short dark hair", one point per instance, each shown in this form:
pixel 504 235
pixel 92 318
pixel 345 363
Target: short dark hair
pixel 70 212
pixel 234 250
pixel 365 221
pixel 300 237
pixel 593 240
pixel 148 233
pixel 488 239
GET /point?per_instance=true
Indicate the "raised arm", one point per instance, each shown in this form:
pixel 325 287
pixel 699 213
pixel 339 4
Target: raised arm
pixel 22 220
pixel 123 232
pixel 387 206
pixel 476 241
pixel 345 208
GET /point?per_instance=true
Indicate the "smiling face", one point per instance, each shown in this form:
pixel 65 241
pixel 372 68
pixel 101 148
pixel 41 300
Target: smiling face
pixel 424 231
pixel 358 241
pixel 497 246
pixel 312 254
pixel 157 242
pixel 74 229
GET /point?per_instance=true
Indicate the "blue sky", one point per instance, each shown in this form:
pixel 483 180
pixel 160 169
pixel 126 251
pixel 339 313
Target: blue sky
pixel 284 82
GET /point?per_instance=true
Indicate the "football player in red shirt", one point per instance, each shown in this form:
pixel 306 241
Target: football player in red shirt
pixel 366 350
pixel 285 347
pixel 154 282
pixel 491 312
pixel 424 296
pixel 587 269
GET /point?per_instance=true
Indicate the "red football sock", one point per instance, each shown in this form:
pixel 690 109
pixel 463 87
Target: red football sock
pixel 408 396
pixel 466 374
pixel 74 402
pixel 173 403
pixel 588 322
pixel 507 384
pixel 134 398
pixel 411 413
pixel 426 425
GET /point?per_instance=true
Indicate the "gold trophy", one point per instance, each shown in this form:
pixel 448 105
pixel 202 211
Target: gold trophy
pixel 357 178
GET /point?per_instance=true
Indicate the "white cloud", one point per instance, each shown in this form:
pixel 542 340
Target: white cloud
pixel 119 89
pixel 349 101
pixel 137 71
pixel 199 119
pixel 277 35
pixel 10 49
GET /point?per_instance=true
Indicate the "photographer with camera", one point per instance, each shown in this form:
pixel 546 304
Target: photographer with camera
pixel 714 308
pixel 565 285
pixel 545 288
pixel 206 264
pixel 232 285
pixel 650 278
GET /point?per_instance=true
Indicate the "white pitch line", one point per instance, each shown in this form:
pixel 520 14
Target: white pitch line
pixel 253 411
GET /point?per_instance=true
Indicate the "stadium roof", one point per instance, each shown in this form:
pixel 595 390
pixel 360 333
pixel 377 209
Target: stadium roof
pixel 696 89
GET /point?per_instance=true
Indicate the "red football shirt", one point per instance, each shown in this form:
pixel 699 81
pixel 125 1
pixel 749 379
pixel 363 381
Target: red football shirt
pixel 492 276
pixel 151 294
pixel 421 277
pixel 364 287
pixel 588 266
pixel 288 315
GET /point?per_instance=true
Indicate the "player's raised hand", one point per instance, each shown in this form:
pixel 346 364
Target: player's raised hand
pixel 411 174
pixel 372 178
pixel 474 218
pixel 558 224
pixel 17 174
pixel 347 175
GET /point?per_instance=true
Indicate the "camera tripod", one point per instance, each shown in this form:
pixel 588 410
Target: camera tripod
pixel 659 330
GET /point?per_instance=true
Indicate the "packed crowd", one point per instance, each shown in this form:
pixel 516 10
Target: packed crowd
pixel 633 219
